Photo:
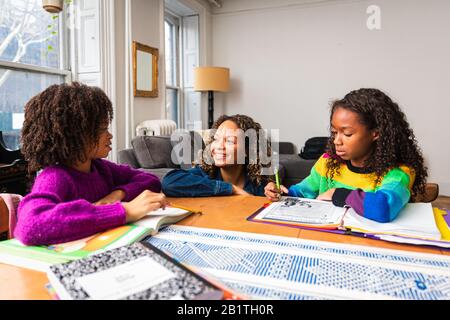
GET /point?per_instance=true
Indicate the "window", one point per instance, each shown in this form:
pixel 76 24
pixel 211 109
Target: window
pixel 32 46
pixel 172 56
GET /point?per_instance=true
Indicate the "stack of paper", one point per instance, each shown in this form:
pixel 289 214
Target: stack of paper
pixel 415 224
pixel 41 257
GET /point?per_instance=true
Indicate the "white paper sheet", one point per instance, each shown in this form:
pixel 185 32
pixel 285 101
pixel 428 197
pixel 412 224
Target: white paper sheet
pixel 125 279
pixel 415 220
pixel 168 211
pixel 299 210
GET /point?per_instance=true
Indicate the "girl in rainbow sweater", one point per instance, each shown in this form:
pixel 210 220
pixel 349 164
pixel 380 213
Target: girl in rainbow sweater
pixel 372 164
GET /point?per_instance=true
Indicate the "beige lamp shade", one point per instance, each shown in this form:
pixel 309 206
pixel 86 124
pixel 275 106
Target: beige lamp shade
pixel 212 79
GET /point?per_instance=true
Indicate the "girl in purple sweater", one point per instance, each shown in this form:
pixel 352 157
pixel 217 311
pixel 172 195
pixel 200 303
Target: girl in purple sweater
pixel 77 194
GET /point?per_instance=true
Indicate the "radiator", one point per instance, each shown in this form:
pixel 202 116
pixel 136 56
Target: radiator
pixel 156 128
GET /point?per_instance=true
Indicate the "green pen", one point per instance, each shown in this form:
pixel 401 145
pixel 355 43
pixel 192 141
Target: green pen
pixel 277 180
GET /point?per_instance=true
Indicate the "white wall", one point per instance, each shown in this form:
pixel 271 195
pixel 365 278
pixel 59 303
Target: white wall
pixel 147 17
pixel 147 27
pixel 290 58
pixel 119 116
pixel 145 23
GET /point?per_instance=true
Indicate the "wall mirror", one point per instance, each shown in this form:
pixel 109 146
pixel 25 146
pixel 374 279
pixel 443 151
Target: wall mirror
pixel 145 70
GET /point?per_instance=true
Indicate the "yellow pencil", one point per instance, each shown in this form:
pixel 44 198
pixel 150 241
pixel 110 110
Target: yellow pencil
pixel 184 208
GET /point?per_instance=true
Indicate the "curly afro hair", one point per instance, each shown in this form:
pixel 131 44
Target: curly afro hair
pixel 253 168
pixel 62 123
pixel 396 145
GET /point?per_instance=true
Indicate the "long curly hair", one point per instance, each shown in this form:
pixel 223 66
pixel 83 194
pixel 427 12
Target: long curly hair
pixel 253 168
pixel 396 144
pixel 62 123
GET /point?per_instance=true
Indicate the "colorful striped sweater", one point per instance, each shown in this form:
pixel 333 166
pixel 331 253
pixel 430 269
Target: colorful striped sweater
pixel 355 188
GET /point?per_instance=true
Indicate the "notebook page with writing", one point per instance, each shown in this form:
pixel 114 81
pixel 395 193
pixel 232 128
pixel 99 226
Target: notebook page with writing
pixel 416 220
pixel 302 211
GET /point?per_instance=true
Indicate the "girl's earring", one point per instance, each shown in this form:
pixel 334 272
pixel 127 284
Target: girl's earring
pixel 376 135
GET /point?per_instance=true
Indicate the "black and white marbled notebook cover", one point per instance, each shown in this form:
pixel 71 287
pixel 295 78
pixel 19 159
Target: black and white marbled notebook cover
pixel 185 285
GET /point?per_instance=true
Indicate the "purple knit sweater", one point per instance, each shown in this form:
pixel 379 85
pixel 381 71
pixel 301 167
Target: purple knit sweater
pixel 60 206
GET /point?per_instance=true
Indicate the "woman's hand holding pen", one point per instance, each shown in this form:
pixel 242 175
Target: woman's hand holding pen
pixel 273 193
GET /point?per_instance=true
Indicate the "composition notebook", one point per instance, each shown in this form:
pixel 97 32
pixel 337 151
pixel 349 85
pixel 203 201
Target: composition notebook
pixel 415 224
pixel 41 257
pixel 138 271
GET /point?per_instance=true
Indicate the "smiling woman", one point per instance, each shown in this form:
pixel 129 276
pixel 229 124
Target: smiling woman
pixel 231 162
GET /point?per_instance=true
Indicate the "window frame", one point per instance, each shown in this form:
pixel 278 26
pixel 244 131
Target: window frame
pixel 175 21
pixel 65 52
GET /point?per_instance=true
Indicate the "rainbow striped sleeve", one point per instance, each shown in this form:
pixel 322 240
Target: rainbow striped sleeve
pixel 384 203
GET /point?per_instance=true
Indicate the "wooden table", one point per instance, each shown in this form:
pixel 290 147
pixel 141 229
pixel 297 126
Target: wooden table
pixel 226 213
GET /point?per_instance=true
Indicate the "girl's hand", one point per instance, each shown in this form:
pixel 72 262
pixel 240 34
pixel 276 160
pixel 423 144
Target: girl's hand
pixel 239 191
pixel 327 195
pixel 272 193
pixel 114 196
pixel 144 203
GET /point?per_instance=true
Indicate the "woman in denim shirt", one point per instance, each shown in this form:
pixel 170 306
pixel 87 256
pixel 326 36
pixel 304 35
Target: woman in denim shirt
pixel 232 166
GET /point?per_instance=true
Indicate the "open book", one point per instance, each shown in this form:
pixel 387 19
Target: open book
pixel 415 224
pixel 41 257
pixel 137 271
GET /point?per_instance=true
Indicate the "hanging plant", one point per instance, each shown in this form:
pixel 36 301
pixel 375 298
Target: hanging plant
pixel 54 7
pixel 53 28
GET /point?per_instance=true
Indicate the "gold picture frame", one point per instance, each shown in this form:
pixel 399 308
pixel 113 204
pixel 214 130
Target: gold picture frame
pixel 145 70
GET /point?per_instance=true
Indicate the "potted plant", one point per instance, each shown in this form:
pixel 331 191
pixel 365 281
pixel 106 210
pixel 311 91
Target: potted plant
pixel 53 6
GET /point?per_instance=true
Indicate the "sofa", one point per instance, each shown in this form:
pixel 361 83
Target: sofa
pixel 296 168
pixel 154 154
pixel 150 154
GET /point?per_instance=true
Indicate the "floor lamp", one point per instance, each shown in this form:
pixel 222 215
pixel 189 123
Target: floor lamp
pixel 211 79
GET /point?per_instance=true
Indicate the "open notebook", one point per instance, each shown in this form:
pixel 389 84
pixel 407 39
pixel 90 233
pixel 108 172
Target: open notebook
pixel 415 224
pixel 41 257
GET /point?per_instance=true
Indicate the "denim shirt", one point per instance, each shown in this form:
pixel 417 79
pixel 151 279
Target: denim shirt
pixel 196 183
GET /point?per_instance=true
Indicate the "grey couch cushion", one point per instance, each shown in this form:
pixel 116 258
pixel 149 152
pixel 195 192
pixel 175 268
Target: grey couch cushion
pixel 153 154
pixel 296 168
pixel 153 151
pixel 127 156
pixel 287 148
